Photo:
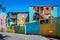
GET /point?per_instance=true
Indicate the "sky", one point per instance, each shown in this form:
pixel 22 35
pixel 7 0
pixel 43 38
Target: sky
pixel 23 5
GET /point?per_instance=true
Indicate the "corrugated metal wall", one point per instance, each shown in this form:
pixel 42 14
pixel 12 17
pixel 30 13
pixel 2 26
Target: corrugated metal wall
pixel 33 28
pixel 48 29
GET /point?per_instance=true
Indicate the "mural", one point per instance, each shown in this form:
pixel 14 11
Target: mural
pixel 22 18
pixel 3 22
pixel 42 20
pixel 16 21
pixel 42 13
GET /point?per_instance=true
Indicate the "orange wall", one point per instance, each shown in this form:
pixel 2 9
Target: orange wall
pixel 47 12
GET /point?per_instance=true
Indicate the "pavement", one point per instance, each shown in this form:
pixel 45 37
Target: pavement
pixel 16 36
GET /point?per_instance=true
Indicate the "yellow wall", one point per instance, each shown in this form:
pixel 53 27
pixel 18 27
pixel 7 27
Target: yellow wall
pixel 48 29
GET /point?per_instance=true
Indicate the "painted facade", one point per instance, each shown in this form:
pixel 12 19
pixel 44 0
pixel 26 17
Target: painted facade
pixel 31 14
pixel 37 21
pixel 3 23
pixel 22 18
pixel 9 14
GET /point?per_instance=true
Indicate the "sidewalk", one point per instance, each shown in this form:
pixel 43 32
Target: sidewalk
pixel 15 36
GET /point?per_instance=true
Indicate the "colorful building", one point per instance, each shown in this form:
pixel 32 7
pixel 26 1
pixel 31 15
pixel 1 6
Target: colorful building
pixel 15 20
pixel 3 23
pixel 9 14
pixel 37 13
pixel 39 20
pixel 11 21
pixel 22 19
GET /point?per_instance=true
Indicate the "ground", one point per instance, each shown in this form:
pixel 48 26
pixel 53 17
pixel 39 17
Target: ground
pixel 15 36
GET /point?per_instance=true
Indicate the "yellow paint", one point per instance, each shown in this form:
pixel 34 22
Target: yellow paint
pixel 8 27
pixel 21 19
pixel 19 16
pixel 20 22
pixel 48 29
pixel 13 27
pixel 10 30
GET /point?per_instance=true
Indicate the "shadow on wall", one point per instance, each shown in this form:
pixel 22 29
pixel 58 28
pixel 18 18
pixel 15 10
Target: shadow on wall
pixel 3 37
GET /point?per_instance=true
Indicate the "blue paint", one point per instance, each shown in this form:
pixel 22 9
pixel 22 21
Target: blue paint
pixel 33 28
pixel 23 5
pixel 54 12
pixel 31 14
pixel 10 20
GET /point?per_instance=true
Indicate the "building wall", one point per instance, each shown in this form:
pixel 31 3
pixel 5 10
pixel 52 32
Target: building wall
pixel 21 18
pixel 3 22
pixel 9 19
pixel 31 14
pixel 54 12
pixel 48 29
pixel 47 10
